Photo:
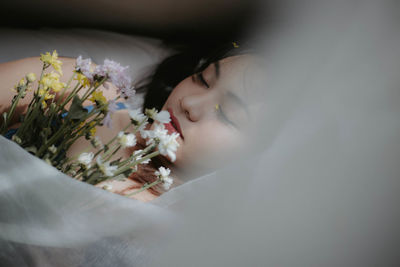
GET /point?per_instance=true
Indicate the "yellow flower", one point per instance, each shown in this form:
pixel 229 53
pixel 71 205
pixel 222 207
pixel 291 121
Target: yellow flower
pixel 52 60
pixel 46 96
pixel 92 131
pixel 82 79
pixel 235 45
pixel 21 82
pixel 51 80
pixel 31 77
pixel 98 98
pixel 57 86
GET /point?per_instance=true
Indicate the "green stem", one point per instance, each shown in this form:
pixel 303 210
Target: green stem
pixel 12 109
pixel 65 89
pixel 107 157
pixel 70 96
pixel 30 116
pixel 88 92
pixel 134 156
pixel 61 131
pixel 125 168
pixel 111 141
pixel 144 188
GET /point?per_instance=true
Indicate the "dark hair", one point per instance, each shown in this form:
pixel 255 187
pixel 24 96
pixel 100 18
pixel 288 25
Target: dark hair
pixel 187 61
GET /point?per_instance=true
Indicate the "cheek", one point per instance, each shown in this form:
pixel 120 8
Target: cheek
pixel 207 143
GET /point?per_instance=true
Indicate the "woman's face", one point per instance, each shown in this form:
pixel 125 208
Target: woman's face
pixel 211 110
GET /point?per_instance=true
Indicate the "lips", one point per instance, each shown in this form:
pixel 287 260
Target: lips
pixel 173 125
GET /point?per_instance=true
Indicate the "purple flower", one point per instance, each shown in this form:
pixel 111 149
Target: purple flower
pixel 128 92
pixel 117 75
pixel 112 106
pixel 83 66
pixel 107 120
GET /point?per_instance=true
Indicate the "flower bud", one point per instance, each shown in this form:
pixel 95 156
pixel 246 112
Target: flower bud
pixel 53 149
pixel 107 187
pixel 21 82
pixel 16 139
pixel 31 77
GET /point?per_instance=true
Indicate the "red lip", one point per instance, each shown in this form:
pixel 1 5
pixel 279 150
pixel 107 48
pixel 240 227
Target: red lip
pixel 175 122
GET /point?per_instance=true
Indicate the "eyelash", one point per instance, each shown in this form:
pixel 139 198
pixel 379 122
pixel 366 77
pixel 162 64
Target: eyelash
pixel 200 77
pixel 224 118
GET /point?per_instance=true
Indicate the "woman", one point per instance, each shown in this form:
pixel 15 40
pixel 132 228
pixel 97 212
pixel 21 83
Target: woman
pixel 204 95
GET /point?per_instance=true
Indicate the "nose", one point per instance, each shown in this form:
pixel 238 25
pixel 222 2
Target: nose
pixel 195 106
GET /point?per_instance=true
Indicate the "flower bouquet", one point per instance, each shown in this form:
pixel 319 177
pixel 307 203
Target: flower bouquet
pixel 56 118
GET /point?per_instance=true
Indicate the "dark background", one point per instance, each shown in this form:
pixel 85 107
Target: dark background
pixel 174 19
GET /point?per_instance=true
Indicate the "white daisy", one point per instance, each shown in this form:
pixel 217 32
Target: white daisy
pixel 158 132
pixel 168 146
pixel 105 167
pixel 53 149
pixel 86 159
pixel 137 115
pixel 167 183
pixel 163 174
pixel 138 157
pixel 126 140
pixel 162 116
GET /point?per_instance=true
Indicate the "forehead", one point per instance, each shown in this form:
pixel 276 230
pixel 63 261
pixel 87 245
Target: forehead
pixel 243 75
pixel 236 64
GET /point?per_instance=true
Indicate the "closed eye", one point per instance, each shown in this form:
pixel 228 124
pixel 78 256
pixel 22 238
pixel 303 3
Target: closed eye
pixel 200 77
pixel 224 118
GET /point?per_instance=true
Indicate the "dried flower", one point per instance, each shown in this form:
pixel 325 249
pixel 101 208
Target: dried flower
pixel 52 81
pixel 163 175
pixel 83 66
pixel 53 149
pixel 168 146
pixel 46 96
pixel 82 79
pixel 98 98
pixel 96 142
pixel 126 140
pixel 107 187
pixel 31 77
pixel 137 155
pixel 162 116
pixel 105 167
pixel 86 159
pixel 137 116
pixel 52 60
pixel 117 75
pixel 21 82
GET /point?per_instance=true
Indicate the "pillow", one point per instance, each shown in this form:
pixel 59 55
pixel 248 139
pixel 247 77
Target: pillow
pixel 137 52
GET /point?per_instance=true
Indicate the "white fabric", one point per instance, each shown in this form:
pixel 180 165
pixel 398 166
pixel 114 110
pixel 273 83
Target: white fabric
pixel 324 192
